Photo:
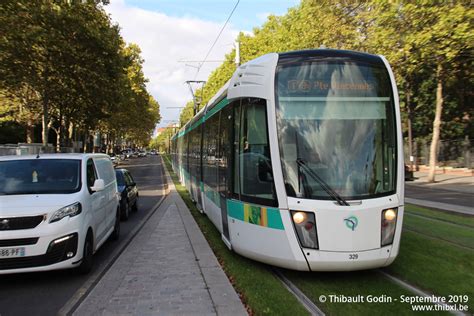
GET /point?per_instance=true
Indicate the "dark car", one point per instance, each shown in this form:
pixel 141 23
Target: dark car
pixel 408 174
pixel 128 191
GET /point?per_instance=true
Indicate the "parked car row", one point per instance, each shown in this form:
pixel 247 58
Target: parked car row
pixel 129 153
pixel 57 210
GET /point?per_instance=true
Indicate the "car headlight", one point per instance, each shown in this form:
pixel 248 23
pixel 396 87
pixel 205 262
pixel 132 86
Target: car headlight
pixel 389 223
pixel 305 226
pixel 70 210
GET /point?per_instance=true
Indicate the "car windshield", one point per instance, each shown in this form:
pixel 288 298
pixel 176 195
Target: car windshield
pixel 336 125
pixel 40 176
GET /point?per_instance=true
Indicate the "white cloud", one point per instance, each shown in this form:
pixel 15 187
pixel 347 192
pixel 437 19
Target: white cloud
pixel 164 40
pixel 263 16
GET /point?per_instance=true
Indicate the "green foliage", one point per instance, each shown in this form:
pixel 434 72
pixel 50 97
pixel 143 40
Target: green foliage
pixel 65 62
pixel 417 38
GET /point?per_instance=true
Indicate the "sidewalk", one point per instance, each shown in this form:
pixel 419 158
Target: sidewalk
pixel 450 192
pixel 168 269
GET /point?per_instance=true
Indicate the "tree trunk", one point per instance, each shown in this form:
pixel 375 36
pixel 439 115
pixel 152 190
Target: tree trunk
pixel 71 131
pixel 45 122
pixel 59 132
pixel 30 131
pixel 436 124
pixel 410 136
pixel 84 145
pixel 58 139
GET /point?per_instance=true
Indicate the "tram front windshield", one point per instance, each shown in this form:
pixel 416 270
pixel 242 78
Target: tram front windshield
pixel 337 131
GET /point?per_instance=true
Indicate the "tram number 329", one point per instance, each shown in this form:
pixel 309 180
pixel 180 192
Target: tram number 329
pixel 353 256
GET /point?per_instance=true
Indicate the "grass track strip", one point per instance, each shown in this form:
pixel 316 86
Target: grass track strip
pixel 416 290
pixel 300 296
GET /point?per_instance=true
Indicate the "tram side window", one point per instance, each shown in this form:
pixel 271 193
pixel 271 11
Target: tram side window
pixel 186 152
pixel 210 172
pixel 224 147
pixel 235 149
pixel 198 152
pixel 194 152
pixel 256 177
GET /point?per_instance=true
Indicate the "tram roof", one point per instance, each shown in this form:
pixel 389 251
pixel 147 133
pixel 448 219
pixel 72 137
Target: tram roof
pixel 309 54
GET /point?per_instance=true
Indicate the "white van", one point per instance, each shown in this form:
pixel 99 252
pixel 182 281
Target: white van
pixel 55 211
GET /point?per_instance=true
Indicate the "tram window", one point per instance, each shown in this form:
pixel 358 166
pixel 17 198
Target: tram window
pixel 186 152
pixel 256 177
pixel 192 153
pixel 235 171
pixel 198 152
pixel 210 172
pixel 205 142
pixel 224 147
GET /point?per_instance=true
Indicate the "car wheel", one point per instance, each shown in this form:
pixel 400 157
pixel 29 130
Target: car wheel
pixel 126 211
pixel 116 232
pixel 87 255
pixel 135 205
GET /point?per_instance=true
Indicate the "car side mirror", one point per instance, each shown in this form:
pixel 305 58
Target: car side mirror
pixel 99 185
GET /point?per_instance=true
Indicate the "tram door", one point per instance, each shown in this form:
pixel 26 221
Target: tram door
pixel 225 157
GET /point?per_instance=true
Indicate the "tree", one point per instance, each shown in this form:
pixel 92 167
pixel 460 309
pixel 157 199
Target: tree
pixel 449 37
pixel 22 108
pixel 66 62
pixel 427 45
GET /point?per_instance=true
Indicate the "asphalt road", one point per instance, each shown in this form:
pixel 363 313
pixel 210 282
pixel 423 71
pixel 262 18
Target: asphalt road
pixel 439 195
pixel 46 293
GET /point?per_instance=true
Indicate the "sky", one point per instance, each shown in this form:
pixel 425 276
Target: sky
pixel 174 33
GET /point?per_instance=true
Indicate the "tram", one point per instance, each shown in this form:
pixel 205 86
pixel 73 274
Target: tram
pixel 298 162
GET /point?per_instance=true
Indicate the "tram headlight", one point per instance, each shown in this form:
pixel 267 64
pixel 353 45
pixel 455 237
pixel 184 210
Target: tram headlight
pixel 299 217
pixel 389 223
pixel 305 227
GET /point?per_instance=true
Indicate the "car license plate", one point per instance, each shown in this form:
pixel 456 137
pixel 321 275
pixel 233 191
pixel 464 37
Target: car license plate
pixel 12 252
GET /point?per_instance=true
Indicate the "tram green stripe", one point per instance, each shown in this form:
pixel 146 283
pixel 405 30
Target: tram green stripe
pixel 236 209
pixel 274 218
pixel 208 115
pixel 216 109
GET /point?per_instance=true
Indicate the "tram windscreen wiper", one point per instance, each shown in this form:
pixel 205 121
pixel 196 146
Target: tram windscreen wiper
pixel 330 191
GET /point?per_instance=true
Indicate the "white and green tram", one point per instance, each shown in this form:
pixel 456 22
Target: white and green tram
pixel 298 161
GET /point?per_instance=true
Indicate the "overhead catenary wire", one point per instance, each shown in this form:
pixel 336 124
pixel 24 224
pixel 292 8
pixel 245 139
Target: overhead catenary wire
pixel 217 38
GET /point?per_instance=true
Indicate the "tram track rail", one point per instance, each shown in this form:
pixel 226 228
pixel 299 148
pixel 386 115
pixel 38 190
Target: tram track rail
pixel 435 219
pixel 313 309
pixel 438 238
pixel 419 292
pixel 310 306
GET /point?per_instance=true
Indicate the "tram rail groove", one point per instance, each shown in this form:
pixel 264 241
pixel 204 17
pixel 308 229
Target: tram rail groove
pixel 418 291
pixel 445 221
pixel 312 308
pixel 438 238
